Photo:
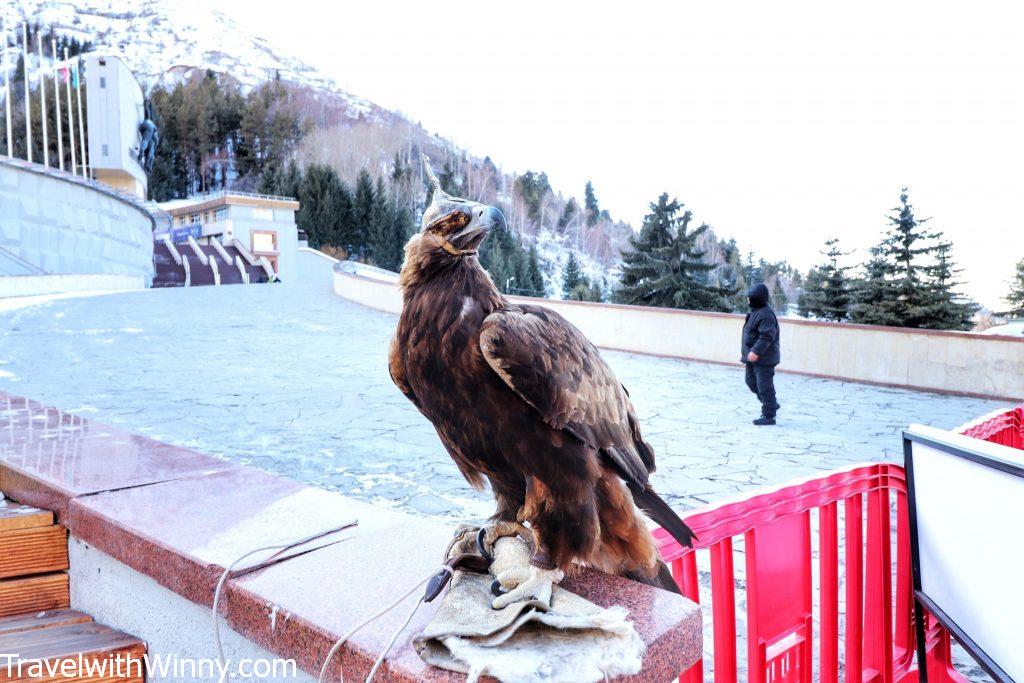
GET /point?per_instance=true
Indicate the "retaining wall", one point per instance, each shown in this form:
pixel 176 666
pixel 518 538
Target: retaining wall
pixel 948 362
pixel 66 225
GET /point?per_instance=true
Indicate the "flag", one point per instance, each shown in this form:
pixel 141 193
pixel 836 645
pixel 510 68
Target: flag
pixel 64 72
pixel 74 76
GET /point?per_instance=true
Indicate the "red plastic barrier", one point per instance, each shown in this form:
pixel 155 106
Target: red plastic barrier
pixel 1004 427
pixel 852 511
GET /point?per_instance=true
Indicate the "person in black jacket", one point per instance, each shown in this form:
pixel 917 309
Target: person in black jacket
pixel 760 352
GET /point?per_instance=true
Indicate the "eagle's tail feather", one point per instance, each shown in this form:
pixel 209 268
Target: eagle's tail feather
pixel 658 510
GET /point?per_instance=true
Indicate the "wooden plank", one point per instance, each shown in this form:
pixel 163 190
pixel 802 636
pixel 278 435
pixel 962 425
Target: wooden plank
pixel 34 594
pixel 87 642
pixel 16 516
pixel 33 551
pixel 45 619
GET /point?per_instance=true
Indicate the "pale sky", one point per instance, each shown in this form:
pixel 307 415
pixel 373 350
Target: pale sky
pixel 780 124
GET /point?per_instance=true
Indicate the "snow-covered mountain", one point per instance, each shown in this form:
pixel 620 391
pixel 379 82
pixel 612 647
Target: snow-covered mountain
pixel 162 39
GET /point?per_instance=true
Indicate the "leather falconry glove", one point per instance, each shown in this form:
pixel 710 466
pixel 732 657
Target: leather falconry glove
pixel 522 579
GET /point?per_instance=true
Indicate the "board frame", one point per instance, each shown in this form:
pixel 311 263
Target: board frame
pixel 975 453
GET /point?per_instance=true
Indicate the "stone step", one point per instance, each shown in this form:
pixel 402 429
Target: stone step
pixel 35 550
pixel 34 594
pixel 72 651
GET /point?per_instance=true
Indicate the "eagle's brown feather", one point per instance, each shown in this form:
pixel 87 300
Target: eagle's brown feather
pixel 550 364
pixel 521 398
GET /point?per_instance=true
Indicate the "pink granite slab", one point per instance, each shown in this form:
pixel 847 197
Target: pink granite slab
pixel 183 533
pixel 48 456
pixel 301 607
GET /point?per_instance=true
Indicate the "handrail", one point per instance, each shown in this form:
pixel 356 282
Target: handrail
pixel 267 268
pixel 244 251
pixel 175 254
pixel 21 261
pixel 216 271
pixel 233 193
pixel 188 271
pixel 200 254
pixel 219 248
pixel 241 269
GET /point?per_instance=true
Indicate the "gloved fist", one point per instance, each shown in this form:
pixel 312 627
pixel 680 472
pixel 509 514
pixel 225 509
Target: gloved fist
pixel 523 581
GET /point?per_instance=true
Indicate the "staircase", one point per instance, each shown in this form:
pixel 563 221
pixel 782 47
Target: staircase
pixel 169 274
pixel 37 625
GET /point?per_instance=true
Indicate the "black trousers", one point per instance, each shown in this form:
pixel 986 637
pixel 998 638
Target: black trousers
pixel 761 380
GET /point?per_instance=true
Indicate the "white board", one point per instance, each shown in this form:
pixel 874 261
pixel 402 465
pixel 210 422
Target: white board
pixel 970 543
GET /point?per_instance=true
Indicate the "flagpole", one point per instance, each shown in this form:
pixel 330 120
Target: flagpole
pixel 71 114
pixel 28 106
pixel 7 98
pixel 56 103
pixel 42 99
pixel 81 126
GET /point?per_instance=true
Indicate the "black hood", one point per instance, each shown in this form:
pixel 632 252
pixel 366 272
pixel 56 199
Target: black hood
pixel 758 296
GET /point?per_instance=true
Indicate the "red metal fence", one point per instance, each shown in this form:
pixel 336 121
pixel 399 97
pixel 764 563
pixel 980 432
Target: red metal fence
pixel 840 523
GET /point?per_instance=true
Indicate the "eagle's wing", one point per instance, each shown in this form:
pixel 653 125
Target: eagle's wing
pixel 553 367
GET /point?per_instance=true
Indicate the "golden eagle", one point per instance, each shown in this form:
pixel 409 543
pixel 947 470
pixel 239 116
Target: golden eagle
pixel 521 398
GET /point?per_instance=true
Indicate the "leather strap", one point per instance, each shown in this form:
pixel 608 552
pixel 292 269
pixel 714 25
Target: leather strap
pixel 450 248
pixel 469 562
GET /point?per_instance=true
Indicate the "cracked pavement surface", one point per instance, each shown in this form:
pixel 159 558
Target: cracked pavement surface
pixel 293 380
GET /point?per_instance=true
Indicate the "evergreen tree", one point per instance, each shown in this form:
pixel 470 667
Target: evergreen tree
pixel 325 207
pixel 950 311
pixel 873 292
pixel 379 226
pixel 269 129
pixel 590 204
pixel 513 269
pixel 572 275
pixel 362 215
pixel 809 304
pixel 568 214
pixel 666 268
pixel 532 187
pixel 534 279
pixel 1016 296
pixel 909 279
pixel 827 290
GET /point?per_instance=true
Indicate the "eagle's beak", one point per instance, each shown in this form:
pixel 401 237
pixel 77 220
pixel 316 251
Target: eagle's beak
pixel 485 219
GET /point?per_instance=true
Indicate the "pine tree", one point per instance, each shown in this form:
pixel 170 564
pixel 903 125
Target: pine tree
pixel 362 215
pixel 534 278
pixel 950 311
pixel 379 227
pixel 568 214
pixel 572 275
pixel 873 294
pixel 1016 296
pixel 666 268
pixel 532 187
pixel 909 279
pixel 827 290
pixel 325 207
pixel 590 204
pixel 809 304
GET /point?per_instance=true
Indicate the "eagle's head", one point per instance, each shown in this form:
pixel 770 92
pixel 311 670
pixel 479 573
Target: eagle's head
pixel 452 230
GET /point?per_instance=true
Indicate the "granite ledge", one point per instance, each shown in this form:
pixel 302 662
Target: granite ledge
pixel 180 517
